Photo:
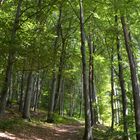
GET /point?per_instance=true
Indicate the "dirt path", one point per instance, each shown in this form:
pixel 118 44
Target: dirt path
pixel 66 132
pixel 44 132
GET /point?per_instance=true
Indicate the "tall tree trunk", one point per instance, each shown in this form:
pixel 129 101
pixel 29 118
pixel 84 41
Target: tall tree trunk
pixel 21 99
pixel 134 77
pixel 34 92
pixel 9 68
pixel 58 87
pixel 91 79
pixel 122 82
pixel 88 127
pixel 112 90
pixel 81 101
pixel 6 85
pixel 61 64
pixel 61 99
pixel 27 102
pixel 10 92
pixel 53 88
pixel 52 99
pixel 116 106
pixel 38 92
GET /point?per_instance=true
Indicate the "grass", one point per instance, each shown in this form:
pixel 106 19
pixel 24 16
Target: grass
pixel 65 120
pixel 10 124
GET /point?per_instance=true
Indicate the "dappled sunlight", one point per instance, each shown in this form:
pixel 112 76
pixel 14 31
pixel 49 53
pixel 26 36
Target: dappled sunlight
pixel 42 131
pixel 6 135
pixel 69 68
pixel 66 130
pixel 62 130
pixel 9 136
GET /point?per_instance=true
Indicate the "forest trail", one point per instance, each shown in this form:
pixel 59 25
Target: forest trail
pixel 13 127
pixel 44 132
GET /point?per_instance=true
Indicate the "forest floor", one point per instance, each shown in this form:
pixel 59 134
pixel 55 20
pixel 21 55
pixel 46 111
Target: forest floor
pixel 12 127
pixel 53 132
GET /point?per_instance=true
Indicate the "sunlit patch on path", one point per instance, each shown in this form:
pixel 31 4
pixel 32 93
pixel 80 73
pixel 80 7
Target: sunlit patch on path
pixel 44 132
pixel 6 135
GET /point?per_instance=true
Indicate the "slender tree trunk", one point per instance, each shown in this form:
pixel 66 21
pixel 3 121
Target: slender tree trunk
pixel 122 83
pixel 21 100
pixel 34 92
pixel 91 86
pixel 71 106
pixel 92 83
pixel 134 77
pixel 38 92
pixel 88 127
pixel 58 87
pixel 27 102
pixel 81 102
pixel 6 85
pixel 61 66
pixel 53 88
pixel 61 99
pixel 52 99
pixel 17 85
pixel 10 92
pixel 112 90
pixel 116 106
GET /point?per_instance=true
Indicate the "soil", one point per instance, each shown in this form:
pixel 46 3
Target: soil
pixel 42 131
pixel 53 132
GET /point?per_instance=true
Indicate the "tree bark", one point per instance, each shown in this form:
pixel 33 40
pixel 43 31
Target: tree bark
pixel 38 92
pixel 61 64
pixel 88 127
pixel 21 100
pixel 134 77
pixel 51 105
pixel 112 90
pixel 122 83
pixel 61 100
pixel 52 99
pixel 92 83
pixel 81 101
pixel 9 68
pixel 6 85
pixel 27 102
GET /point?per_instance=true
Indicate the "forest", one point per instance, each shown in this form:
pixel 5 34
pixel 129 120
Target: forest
pixel 69 69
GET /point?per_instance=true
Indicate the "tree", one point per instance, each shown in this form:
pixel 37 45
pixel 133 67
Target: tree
pixel 122 82
pixel 9 68
pixel 88 127
pixel 27 101
pixel 134 78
